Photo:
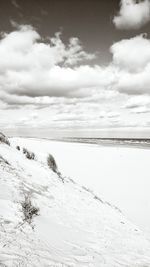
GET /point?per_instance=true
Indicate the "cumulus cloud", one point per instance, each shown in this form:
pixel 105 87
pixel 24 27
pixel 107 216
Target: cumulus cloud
pixel 58 81
pixel 134 83
pixel 133 14
pixel 24 49
pixel 32 68
pixel 132 58
pixel 54 80
pixel 132 54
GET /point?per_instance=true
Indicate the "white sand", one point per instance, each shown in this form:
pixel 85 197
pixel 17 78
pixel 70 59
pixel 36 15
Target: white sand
pixel 73 229
pixel 120 175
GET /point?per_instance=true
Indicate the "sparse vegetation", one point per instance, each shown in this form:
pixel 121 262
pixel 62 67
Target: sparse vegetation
pixel 53 166
pixel 92 193
pixel 28 154
pixel 4 160
pixel 88 190
pixel 98 198
pixel 29 211
pixel 4 139
pixel 52 163
pixel 18 148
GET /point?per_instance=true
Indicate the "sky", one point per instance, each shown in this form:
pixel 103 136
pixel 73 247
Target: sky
pixel 75 65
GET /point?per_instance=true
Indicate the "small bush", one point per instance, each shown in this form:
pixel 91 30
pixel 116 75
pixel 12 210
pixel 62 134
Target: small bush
pixel 18 148
pixel 28 154
pixel 24 150
pixel 4 139
pixel 52 163
pixel 29 210
pixel 53 166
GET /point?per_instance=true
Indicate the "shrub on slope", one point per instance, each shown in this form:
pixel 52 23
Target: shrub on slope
pixel 2 160
pixel 28 154
pixel 52 163
pixel 4 139
pixel 29 210
pixel 53 166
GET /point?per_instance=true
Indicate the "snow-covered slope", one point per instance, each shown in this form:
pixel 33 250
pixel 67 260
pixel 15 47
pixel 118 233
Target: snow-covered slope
pixel 73 226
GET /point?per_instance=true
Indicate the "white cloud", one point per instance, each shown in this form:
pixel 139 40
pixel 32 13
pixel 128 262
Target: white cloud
pixel 139 104
pixel 57 81
pixel 138 101
pixel 132 54
pixel 24 50
pixel 133 14
pixel 135 83
pixel 47 78
pixel 132 58
pixel 31 68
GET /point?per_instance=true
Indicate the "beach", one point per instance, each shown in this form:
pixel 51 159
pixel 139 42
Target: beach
pixel 119 174
pixel 66 204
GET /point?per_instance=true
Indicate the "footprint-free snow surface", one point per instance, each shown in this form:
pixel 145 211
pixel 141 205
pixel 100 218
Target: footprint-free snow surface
pixel 70 226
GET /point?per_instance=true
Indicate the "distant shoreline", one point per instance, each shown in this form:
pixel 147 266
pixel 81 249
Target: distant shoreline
pixel 127 142
pixel 143 143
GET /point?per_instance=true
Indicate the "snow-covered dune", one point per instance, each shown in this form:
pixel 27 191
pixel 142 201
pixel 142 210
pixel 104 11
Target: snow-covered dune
pixel 48 221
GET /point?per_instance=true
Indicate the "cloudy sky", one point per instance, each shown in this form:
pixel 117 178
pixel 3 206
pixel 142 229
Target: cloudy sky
pixel 75 65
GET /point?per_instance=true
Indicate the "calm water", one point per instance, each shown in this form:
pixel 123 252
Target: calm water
pixel 140 142
pixel 102 137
